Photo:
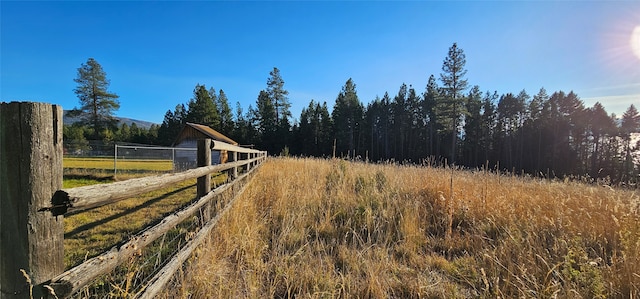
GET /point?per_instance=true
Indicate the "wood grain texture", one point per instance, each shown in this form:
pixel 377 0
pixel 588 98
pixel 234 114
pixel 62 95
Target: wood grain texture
pixel 30 173
pixel 204 159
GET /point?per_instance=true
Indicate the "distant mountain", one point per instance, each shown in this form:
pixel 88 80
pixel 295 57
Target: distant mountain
pixel 129 121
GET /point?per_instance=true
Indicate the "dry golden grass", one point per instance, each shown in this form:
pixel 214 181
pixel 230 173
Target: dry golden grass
pixel 325 229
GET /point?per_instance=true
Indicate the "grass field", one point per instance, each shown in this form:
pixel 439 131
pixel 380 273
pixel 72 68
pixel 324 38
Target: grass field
pixel 331 229
pixel 94 231
pixel 122 164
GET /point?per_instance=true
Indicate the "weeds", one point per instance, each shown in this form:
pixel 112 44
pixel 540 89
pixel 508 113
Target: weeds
pixel 324 229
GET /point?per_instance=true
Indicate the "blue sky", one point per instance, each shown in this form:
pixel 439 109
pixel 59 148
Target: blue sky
pixel 155 53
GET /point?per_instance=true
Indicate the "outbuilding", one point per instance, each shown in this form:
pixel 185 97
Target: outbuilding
pixel 188 138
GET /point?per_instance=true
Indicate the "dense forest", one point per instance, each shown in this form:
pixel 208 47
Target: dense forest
pixel 449 122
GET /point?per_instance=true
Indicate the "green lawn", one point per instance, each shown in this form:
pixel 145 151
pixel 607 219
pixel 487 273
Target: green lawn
pixel 122 164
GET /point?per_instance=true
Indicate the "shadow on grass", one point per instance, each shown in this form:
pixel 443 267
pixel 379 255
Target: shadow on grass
pixel 103 178
pixel 148 203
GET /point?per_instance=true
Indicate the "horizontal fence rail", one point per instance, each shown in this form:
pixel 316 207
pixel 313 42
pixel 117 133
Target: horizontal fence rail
pixel 87 197
pixel 76 278
pixel 160 280
pixel 222 146
pixel 32 200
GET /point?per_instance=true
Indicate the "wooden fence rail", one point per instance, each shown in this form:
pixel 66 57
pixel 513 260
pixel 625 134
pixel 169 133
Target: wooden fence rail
pixel 74 279
pixel 87 197
pixel 33 204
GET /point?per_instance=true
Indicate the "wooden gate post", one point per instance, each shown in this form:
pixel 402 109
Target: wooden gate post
pixel 204 159
pixel 30 173
pixel 235 169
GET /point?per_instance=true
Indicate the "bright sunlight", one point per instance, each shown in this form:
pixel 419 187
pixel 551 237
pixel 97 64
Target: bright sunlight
pixel 635 41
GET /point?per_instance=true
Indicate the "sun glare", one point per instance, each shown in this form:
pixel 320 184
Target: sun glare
pixel 635 41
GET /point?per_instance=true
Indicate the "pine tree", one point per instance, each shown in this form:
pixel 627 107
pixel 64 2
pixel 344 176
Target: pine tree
pixel 473 127
pixel 171 125
pixel 124 133
pixel 488 126
pixel 264 117
pixel 224 111
pixel 97 104
pixel 630 124
pixel 414 140
pixel 278 95
pixel 533 128
pixel 510 112
pixel 243 131
pixel 306 132
pixel 326 127
pixel 313 134
pixel 430 99
pixel 347 117
pixel 400 122
pixel 202 109
pixel 454 85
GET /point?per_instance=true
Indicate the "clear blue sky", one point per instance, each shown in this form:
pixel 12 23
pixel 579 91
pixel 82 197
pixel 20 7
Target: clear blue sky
pixel 155 53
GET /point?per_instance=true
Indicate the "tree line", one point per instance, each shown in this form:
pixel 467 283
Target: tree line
pixel 551 135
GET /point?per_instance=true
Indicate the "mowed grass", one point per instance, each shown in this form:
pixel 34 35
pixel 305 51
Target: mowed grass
pixel 332 229
pixel 122 164
pixel 94 231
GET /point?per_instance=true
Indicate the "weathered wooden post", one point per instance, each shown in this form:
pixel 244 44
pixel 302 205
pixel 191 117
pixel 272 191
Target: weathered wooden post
pixel 204 159
pixel 235 169
pixel 30 173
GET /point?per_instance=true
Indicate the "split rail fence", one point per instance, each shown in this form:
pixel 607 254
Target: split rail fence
pixel 33 204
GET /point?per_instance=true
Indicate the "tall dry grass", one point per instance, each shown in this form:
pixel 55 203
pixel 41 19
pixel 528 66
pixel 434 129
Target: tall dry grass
pixel 325 229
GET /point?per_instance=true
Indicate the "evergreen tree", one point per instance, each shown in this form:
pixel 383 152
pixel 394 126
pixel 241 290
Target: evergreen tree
pixel 400 122
pixel 152 134
pixel 630 124
pixel 600 127
pixel 510 113
pixel 326 128
pixel 314 130
pixel 307 137
pixel 454 85
pixel 533 129
pixel 488 124
pixel 97 104
pixel 347 118
pixel 136 134
pixel 243 131
pixel 202 109
pixel 75 142
pixel 124 133
pixel 224 111
pixel 278 95
pixel 264 117
pixel 473 128
pixel 414 138
pixel 430 100
pixel 171 125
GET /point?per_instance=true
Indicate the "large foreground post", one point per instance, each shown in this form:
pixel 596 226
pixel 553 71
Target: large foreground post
pixel 30 173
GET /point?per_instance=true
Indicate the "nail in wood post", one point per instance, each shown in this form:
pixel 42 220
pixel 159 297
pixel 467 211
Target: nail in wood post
pixel 204 159
pixel 30 173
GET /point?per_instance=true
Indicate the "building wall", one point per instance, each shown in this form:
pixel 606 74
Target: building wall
pixel 185 160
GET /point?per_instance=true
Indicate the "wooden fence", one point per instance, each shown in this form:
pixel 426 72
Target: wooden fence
pixel 33 204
